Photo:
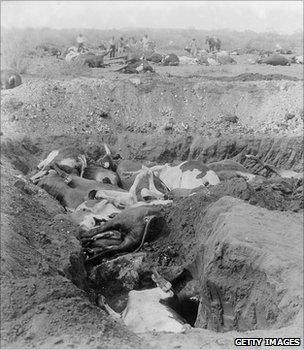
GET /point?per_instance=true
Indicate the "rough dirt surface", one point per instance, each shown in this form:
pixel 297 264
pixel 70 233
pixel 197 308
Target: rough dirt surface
pixel 250 271
pixel 195 112
pixel 42 274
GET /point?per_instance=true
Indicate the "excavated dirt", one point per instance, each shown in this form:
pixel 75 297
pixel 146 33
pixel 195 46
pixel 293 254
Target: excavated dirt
pixel 179 113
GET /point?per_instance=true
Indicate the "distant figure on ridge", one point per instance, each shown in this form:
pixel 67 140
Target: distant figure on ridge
pixel 81 40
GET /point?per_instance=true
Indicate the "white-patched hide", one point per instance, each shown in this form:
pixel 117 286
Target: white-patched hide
pixel 86 213
pixel 186 175
pixel 145 313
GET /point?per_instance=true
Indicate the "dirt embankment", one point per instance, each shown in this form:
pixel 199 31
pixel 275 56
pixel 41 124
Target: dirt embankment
pixel 43 302
pixel 250 278
pixel 146 103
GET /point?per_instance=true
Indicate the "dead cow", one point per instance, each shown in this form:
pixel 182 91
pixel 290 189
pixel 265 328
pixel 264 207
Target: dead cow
pixel 128 198
pixel 155 57
pixel 147 311
pixel 92 212
pixel 188 175
pixel 128 229
pixel 126 171
pixel 71 161
pixel 275 60
pixel 170 60
pixel 10 79
pixel 136 65
pixel 91 60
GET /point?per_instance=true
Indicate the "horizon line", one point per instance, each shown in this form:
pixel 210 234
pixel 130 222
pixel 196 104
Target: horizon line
pixel 157 29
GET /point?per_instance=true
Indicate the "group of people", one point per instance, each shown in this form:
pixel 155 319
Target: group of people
pixel 119 47
pixel 214 44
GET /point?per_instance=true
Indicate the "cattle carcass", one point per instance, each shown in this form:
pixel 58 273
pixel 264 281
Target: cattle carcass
pixel 297 59
pixel 71 161
pixel 129 229
pixel 91 60
pixel 10 79
pixel 148 310
pixel 67 159
pixel 92 212
pixel 71 55
pixel 274 60
pixel 131 197
pixel 188 175
pixel 170 60
pixel 126 171
pixel 136 65
pixel 155 57
pixel 89 202
pixel 70 190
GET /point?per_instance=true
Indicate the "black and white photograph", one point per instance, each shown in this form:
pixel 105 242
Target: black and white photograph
pixel 151 174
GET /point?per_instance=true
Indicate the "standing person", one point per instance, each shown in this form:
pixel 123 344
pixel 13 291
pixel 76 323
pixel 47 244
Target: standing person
pixel 145 43
pixel 112 47
pixel 121 47
pixel 81 40
pixel 193 47
pixel 217 43
pixel 211 43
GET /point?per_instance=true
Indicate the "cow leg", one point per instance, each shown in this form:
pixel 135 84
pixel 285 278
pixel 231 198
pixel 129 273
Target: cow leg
pixel 108 226
pixel 105 243
pixel 35 178
pixel 152 185
pixel 43 164
pixel 126 246
pixel 114 235
pixel 133 188
pixel 108 234
pixel 83 163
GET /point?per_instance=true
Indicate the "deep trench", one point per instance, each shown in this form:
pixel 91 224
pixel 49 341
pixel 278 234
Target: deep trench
pixel 186 307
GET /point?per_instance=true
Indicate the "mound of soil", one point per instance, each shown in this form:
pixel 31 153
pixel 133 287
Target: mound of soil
pixel 249 277
pixel 90 105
